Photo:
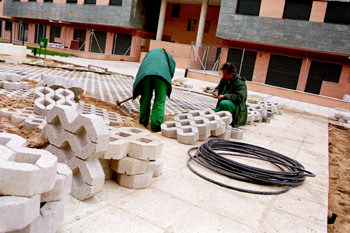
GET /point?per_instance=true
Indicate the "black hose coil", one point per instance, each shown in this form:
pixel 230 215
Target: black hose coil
pixel 211 155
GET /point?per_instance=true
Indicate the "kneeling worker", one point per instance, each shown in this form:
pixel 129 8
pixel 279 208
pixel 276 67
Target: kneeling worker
pixel 232 95
pixel 155 73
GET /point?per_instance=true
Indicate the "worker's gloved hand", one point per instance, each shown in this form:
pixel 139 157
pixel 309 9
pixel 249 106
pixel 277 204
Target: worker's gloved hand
pixel 215 94
pixel 221 97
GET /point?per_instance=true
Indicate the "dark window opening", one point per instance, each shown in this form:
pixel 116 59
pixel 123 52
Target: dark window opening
pixel 338 12
pixel 8 25
pixel 55 32
pixel 72 1
pixel 90 2
pixel 122 44
pixel 297 9
pixel 175 13
pixel 0 28
pixel 98 42
pixel 48 0
pixel 23 32
pixel 283 71
pixel 319 72
pixel 248 7
pixel 40 32
pixel 115 2
pixel 79 38
pixel 235 56
pixel 207 26
pixel 191 25
pixel 31 0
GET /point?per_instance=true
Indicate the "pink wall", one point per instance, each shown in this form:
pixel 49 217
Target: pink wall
pixel 318 11
pixel 338 90
pixel 135 50
pixel 31 33
pixel 272 8
pixel 68 34
pixel 40 0
pixel 48 29
pixel 102 2
pixel 261 66
pixel 87 41
pixel 109 43
pixel 303 75
pixel 223 57
pixel 60 1
pixel 81 2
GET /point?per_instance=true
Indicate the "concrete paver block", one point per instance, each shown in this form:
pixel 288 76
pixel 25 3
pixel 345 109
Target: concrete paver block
pixel 34 121
pixel 12 140
pixel 157 167
pixel 225 116
pixel 62 186
pixel 236 133
pixel 214 121
pixel 187 135
pixel 118 147
pixel 182 117
pixel 227 134
pixel 136 181
pixel 18 212
pixel 129 166
pixel 203 126
pixel 50 219
pixel 7 112
pixel 105 163
pixel 221 129
pixel 145 148
pixel 169 129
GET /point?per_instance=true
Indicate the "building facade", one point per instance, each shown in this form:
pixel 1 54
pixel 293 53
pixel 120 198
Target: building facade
pixel 301 45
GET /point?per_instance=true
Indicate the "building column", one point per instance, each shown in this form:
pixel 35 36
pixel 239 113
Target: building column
pixel 161 20
pixel 261 67
pixel 109 43
pixel 201 25
pixel 87 40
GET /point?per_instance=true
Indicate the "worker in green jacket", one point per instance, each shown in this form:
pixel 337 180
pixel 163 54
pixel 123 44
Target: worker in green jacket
pixel 155 74
pixel 232 95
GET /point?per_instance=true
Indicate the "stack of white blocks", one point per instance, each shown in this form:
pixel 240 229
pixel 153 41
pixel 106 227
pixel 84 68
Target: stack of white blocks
pixel 12 81
pixel 32 188
pixel 264 111
pixel 78 141
pixel 46 98
pixel 25 115
pixel 188 128
pixel 133 156
pixel 342 115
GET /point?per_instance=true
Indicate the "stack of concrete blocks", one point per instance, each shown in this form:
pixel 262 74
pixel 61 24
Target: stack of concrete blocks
pixel 342 115
pixel 110 118
pixel 133 156
pixel 262 112
pixel 235 133
pixel 46 98
pixel 25 115
pixel 188 128
pixel 28 94
pixel 78 140
pixel 12 81
pixel 181 82
pixel 32 188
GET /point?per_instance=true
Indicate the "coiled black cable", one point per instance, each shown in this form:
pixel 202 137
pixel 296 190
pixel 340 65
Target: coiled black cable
pixel 211 155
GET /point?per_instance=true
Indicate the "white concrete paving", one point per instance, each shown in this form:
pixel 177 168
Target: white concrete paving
pixel 179 201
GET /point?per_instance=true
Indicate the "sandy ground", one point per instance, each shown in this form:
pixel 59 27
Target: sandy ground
pixel 339 178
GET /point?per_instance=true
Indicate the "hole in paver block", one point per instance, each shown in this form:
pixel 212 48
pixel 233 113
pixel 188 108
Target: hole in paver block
pixel 195 114
pixel 4 141
pixel 221 114
pixel 26 158
pixel 207 112
pixel 199 121
pixel 82 137
pixel 55 98
pixel 45 91
pixel 40 117
pixel 65 93
pixel 185 123
pixel 122 134
pixel 187 130
pixel 145 140
pixel 67 103
pixel 67 150
pixel 86 112
pixel 23 115
pixel 99 113
pixel 112 139
pixel 37 121
pixel 211 118
pixel 135 131
pixel 183 117
pixel 78 179
pixel 170 125
pixel 46 103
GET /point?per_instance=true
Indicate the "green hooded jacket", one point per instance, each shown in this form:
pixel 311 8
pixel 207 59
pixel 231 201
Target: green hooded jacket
pixel 236 91
pixel 157 62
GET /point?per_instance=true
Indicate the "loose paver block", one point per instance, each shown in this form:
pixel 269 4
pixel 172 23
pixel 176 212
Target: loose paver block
pixel 129 166
pixel 136 181
pixel 157 167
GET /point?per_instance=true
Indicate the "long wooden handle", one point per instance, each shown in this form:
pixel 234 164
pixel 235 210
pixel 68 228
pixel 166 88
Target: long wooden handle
pixel 123 101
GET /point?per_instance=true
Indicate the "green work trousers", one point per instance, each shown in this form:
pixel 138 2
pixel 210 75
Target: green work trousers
pixel 160 86
pixel 226 105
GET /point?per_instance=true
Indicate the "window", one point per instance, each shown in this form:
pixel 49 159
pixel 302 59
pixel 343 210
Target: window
pixel 319 72
pixel 0 28
pixel 207 26
pixel 80 36
pixel 72 1
pixel 248 7
pixel 338 12
pixel 283 71
pixel 40 32
pixel 55 32
pixel 122 44
pixel 297 9
pixel 8 25
pixel 23 32
pixel 191 25
pixel 90 1
pixel 115 2
pixel 235 56
pixel 31 0
pixel 175 13
pixel 98 43
pixel 48 0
